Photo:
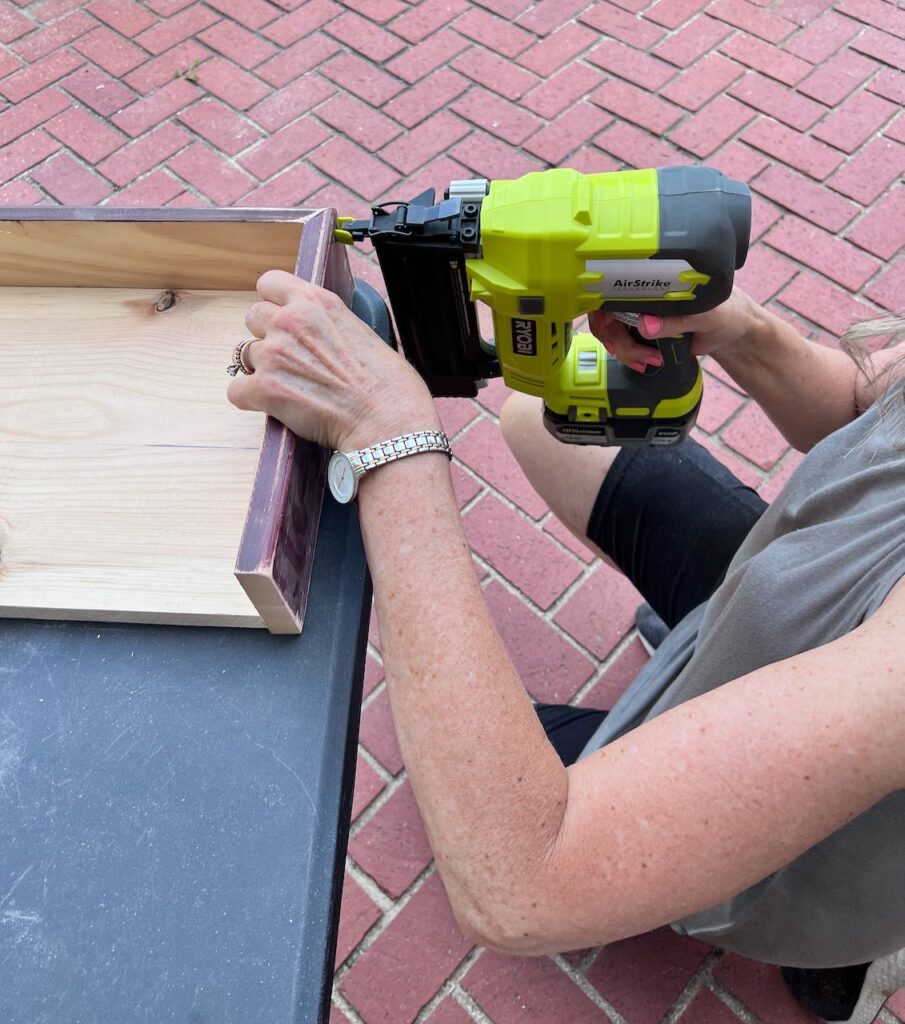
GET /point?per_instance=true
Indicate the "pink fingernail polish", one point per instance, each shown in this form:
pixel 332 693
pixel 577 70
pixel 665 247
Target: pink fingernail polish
pixel 651 324
pixel 654 359
pixel 638 367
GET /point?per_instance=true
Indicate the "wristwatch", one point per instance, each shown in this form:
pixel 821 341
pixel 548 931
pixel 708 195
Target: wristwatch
pixel 346 469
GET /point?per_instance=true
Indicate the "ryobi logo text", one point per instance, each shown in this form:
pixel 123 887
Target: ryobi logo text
pixel 524 337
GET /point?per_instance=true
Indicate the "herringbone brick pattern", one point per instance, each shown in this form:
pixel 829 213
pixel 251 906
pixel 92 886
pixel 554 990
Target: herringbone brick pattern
pixel 344 102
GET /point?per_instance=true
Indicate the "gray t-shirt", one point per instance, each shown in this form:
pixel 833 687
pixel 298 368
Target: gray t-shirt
pixel 818 563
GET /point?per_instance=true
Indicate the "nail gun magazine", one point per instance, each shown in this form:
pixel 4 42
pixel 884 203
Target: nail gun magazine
pixel 542 251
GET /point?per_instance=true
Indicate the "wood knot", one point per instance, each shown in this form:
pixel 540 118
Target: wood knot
pixel 165 301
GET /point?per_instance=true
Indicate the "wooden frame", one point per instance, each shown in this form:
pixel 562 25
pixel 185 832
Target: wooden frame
pixel 174 250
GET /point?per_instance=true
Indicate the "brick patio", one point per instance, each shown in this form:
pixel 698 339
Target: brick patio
pixel 317 103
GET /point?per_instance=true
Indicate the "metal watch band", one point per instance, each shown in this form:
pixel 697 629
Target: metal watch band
pixel 398 448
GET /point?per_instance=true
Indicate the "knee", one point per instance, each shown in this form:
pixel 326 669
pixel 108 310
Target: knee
pixel 521 424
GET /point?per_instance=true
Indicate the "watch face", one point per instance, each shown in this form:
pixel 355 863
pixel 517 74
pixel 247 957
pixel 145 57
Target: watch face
pixel 341 478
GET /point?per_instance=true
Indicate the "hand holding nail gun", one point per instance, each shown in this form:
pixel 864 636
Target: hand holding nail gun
pixel 542 251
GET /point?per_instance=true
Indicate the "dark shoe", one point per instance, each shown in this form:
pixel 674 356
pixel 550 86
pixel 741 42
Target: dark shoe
pixel 652 630
pixel 830 993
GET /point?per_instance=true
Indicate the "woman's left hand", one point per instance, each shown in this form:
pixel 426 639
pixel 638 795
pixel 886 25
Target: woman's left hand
pixel 325 374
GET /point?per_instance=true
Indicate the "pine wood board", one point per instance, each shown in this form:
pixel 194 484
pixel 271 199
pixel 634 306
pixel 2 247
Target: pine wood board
pixel 125 475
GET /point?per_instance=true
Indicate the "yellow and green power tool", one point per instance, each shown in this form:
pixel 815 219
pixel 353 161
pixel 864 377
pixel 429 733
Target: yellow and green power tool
pixel 541 251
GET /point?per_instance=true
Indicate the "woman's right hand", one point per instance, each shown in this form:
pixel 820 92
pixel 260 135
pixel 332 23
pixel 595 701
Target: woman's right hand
pixel 720 328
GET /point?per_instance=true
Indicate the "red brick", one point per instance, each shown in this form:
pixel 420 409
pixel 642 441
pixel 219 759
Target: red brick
pixel 825 253
pixel 752 435
pixel 250 13
pixel 247 49
pixel 762 276
pixel 378 735
pixel 496 115
pixel 712 126
pixel 561 47
pixel 636 148
pixel 739 13
pixel 392 847
pixel 496 34
pixel 157 189
pixel 464 486
pixel 737 161
pixel 836 78
pixel 403 969
pixel 896 130
pixel 814 202
pixel 290 102
pixel 296 60
pixel 673 13
pixel 302 22
pixel 47 39
pixel 428 17
pixel 455 413
pixel 852 124
pixel 880 230
pixel 882 46
pixel 236 87
pixel 357 915
pixel 823 304
pixel 8 64
pixel 819 40
pixel 373 673
pixel 622 60
pixel 426 142
pixel 287 189
pixel 803 153
pixel 19 193
pixel 21 84
pixel 428 96
pixel 211 174
pixel 372 42
pixel 889 287
pixel 30 113
pixel 380 11
pixel 155 108
pixel 551 670
pixel 165 8
pixel 636 105
pixel 508 9
pixel 110 51
pixel 600 613
pixel 483 451
pixel 801 11
pixel 97 90
pixel 754 53
pixel 896 1003
pixel 875 13
pixel 143 154
pixel 745 472
pixel 420 60
pixel 553 96
pixel 721 402
pixel 689 44
pixel 13 25
pixel 220 125
pixel 763 217
pixel 124 16
pixel 363 79
pixel 25 152
pixel 178 62
pixel 283 148
pixel 567 133
pixel 872 171
pixel 489 158
pixel 358 122
pixel 890 84
pixel 528 990
pixel 180 26
pixel 779 477
pixel 706 1008
pixel 547 15
pixel 700 83
pixel 51 10
pixel 70 182
pixel 616 24
pixel 368 786
pixel 618 676
pixel 774 99
pixel 568 540
pixel 449 1012
pixel 760 987
pixel 356 169
pixel 519 551
pixel 84 134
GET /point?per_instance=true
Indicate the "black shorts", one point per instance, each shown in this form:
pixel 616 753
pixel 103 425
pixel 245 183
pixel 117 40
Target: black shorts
pixel 671 519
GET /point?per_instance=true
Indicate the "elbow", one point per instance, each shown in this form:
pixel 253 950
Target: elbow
pixel 513 927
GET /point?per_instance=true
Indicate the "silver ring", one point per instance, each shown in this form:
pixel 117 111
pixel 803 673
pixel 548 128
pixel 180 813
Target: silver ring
pixel 238 364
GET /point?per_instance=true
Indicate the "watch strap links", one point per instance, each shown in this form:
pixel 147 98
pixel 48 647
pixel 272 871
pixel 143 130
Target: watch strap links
pixel 395 448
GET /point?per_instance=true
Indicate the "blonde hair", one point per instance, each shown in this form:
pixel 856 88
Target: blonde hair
pixel 854 343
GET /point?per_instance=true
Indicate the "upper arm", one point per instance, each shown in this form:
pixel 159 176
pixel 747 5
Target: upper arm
pixel 714 795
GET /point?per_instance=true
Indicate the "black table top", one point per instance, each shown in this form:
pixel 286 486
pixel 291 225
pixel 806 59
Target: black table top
pixel 174 809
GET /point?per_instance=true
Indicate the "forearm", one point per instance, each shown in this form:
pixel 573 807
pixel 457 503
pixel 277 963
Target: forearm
pixel 806 389
pixel 491 789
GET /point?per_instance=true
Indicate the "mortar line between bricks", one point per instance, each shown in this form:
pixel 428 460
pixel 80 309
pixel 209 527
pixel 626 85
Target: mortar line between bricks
pixel 730 999
pixel 697 982
pixel 451 983
pixel 390 915
pixel 370 759
pixel 378 803
pixel 604 666
pixel 384 902
pixel 582 983
pixel 371 697
pixel 468 1004
pixel 347 1008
